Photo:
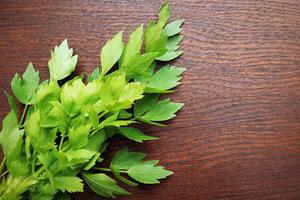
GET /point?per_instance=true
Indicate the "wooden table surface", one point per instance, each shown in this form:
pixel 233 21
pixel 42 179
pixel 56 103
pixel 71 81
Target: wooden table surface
pixel 238 137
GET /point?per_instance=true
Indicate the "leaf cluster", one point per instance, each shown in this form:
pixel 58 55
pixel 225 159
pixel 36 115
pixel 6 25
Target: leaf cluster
pixel 57 144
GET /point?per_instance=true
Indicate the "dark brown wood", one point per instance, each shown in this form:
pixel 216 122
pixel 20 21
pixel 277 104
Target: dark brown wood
pixel 238 137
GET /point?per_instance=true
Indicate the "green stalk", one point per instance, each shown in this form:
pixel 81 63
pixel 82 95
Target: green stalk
pixel 107 169
pixel 2 164
pixel 4 173
pixel 23 115
pixel 61 141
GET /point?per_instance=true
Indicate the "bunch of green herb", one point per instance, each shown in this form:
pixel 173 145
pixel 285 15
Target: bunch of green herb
pixel 56 144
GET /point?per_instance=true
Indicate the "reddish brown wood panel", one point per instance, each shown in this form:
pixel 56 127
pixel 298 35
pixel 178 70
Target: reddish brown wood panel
pixel 238 137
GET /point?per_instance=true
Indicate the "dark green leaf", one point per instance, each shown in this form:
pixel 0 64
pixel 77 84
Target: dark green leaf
pixel 103 185
pixel 135 134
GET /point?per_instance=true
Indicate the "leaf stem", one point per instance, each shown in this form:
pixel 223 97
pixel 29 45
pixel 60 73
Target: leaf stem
pixel 124 180
pixel 102 114
pixel 61 141
pixel 107 169
pixel 102 169
pixel 38 172
pixel 23 115
pixel 4 173
pixel 2 164
pixel 33 161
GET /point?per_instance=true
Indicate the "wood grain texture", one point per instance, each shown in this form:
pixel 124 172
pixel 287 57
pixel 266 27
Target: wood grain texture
pixel 238 137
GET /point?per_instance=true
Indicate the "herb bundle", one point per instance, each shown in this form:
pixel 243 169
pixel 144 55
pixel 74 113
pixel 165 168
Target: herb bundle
pixel 56 145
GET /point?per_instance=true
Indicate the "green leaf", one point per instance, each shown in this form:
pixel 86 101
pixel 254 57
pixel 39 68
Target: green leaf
pixel 17 167
pixel 116 94
pixel 12 187
pixel 144 172
pixel 62 63
pixel 68 183
pixel 71 95
pixel 41 138
pixel 148 173
pixel 11 102
pixel 92 162
pixel 46 158
pixel 111 52
pixel 78 136
pixel 139 63
pixel 149 109
pixel 103 185
pixel 95 141
pixel 46 94
pixel 145 104
pixel 163 110
pixel 164 79
pixel 133 47
pixel 123 114
pixel 169 55
pixel 11 137
pixel 155 38
pixel 173 28
pixel 173 42
pixel 54 117
pixel 164 14
pixel 94 75
pixel 135 134
pixel 25 88
pixel 123 159
pixel 72 158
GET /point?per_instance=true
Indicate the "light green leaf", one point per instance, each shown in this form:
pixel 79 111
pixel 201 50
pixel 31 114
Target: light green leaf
pixel 155 38
pixel 41 138
pixel 135 134
pixel 62 63
pixel 46 94
pixel 92 162
pixel 111 52
pixel 139 63
pixel 103 185
pixel 79 156
pixel 173 28
pixel 112 121
pixel 116 94
pixel 78 136
pixel 55 117
pixel 12 187
pixel 25 88
pixel 164 14
pixel 68 183
pixel 148 173
pixel 71 95
pixel 133 47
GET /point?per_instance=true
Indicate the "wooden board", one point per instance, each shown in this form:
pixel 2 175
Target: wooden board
pixel 238 137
